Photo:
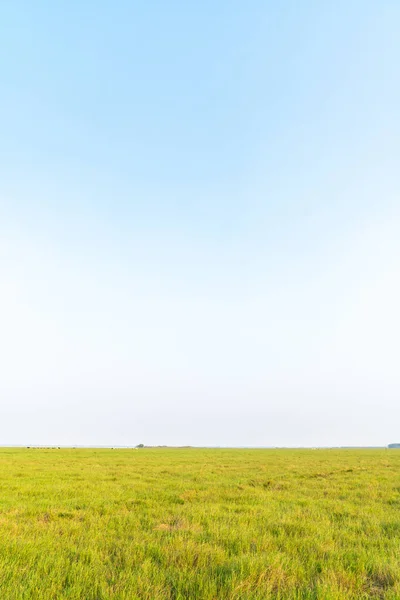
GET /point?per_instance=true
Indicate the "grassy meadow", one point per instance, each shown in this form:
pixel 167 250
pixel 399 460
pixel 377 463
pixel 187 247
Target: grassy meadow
pixel 161 524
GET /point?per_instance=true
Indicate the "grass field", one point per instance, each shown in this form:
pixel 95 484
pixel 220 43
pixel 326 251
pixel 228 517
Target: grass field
pixel 199 524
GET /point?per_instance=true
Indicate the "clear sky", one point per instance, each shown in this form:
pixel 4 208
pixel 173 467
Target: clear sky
pixel 200 222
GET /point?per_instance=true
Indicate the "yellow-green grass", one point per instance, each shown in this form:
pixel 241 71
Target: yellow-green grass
pixel 199 524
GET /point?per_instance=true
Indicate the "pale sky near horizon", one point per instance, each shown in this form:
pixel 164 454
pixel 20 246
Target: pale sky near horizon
pixel 200 223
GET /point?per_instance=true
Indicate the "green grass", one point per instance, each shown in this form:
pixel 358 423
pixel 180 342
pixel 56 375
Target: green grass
pixel 199 524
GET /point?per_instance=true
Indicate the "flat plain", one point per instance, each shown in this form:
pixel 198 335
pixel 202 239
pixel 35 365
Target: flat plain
pixel 177 524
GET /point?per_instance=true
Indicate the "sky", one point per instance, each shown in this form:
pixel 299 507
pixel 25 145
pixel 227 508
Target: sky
pixel 200 222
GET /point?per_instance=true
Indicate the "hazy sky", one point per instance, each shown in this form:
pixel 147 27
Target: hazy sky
pixel 200 222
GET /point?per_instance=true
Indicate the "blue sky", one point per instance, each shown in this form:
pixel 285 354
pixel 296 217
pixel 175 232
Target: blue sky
pixel 199 222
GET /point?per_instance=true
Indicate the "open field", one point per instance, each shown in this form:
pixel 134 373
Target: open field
pixel 199 524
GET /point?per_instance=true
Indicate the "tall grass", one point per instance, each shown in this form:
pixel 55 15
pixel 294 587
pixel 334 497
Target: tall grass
pixel 179 524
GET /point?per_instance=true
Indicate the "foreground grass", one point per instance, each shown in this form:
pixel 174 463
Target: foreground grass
pixel 199 524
